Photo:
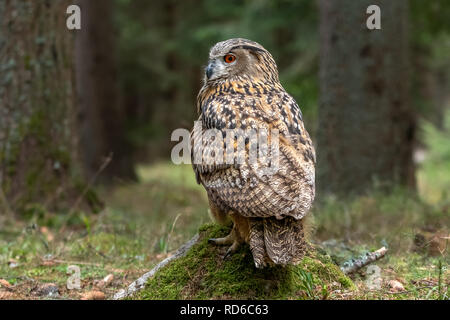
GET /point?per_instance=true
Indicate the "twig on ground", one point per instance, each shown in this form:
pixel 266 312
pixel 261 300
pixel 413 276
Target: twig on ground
pixel 77 202
pixel 171 231
pixel 139 283
pixel 355 264
pixel 408 291
pixel 77 262
pixel 105 163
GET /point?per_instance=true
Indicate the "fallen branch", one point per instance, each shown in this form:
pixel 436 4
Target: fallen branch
pixel 75 262
pixel 408 291
pixel 140 283
pixel 355 264
pixel 89 185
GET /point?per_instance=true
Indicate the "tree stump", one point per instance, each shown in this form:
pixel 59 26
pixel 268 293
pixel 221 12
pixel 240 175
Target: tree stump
pixel 198 271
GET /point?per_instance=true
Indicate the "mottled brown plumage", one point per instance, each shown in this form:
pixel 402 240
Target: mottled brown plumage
pixel 267 210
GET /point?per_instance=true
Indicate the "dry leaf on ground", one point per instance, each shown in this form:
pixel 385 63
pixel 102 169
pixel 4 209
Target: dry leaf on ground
pixel 396 286
pixel 93 295
pixel 6 295
pixel 105 281
pixel 4 283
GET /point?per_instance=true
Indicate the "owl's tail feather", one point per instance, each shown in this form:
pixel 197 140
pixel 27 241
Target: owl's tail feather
pixel 276 241
pixel 284 240
pixel 256 241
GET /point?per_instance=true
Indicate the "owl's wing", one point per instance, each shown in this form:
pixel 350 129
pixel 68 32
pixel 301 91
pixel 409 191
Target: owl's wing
pixel 291 116
pixel 206 150
pixel 209 152
pixel 261 190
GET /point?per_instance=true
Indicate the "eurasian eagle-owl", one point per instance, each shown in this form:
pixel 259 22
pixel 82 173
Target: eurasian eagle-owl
pixel 241 90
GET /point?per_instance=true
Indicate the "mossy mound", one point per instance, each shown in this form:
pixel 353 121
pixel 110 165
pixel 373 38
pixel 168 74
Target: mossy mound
pixel 203 274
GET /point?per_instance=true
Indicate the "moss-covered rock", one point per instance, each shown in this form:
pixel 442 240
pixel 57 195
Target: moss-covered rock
pixel 203 274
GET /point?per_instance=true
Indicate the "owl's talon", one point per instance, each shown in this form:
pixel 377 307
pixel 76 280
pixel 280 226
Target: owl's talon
pixel 260 265
pixel 229 239
pixel 232 249
pixel 218 241
pixel 227 255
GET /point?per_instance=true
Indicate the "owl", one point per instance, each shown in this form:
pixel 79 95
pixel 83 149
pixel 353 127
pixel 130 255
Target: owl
pixel 266 189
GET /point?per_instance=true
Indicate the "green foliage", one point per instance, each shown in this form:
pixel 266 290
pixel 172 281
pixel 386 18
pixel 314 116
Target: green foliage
pixel 434 173
pixel 377 218
pixel 163 46
pixel 306 283
pixel 429 20
pixel 430 49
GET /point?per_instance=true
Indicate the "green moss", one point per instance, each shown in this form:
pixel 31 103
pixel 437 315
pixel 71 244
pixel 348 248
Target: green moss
pixel 203 274
pixel 323 267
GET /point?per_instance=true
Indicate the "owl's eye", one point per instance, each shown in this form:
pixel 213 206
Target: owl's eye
pixel 229 58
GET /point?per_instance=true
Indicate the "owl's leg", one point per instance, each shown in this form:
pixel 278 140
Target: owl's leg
pixel 217 214
pixel 229 239
pixel 237 236
pixel 232 239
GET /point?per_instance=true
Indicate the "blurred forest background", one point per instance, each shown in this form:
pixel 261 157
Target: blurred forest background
pixel 86 118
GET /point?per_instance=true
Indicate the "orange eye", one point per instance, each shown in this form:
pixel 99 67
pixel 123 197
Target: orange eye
pixel 229 58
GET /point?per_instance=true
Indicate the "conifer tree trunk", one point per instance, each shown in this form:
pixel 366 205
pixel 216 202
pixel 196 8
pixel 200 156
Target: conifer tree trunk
pixel 366 126
pixel 37 140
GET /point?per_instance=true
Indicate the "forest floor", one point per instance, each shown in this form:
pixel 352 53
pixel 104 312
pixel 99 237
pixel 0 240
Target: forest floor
pixel 145 222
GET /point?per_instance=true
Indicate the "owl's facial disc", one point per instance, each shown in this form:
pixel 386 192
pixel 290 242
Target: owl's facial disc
pixel 220 67
pixel 239 58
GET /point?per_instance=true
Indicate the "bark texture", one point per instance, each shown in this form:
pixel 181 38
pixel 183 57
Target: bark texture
pixel 366 126
pixel 37 140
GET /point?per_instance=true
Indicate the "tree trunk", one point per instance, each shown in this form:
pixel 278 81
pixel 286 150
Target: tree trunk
pixel 37 144
pixel 101 116
pixel 366 125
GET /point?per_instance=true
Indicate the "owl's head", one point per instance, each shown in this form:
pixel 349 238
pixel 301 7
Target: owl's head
pixel 234 58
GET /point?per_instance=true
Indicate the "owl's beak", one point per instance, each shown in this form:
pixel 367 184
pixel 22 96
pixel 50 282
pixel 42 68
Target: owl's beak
pixel 209 70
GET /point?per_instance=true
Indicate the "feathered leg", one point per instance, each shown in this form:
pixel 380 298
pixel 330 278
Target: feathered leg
pixel 237 236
